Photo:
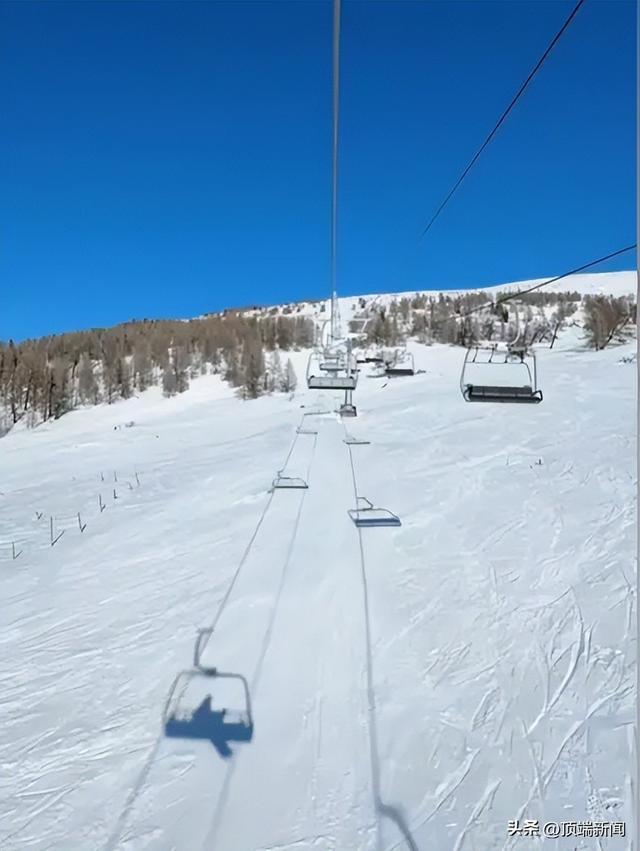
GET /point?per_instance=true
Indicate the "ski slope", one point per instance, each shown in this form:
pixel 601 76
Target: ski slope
pixel 414 687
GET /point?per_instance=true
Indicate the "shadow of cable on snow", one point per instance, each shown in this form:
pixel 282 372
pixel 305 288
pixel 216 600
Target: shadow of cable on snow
pixel 116 833
pixel 389 811
pixel 255 680
pixel 395 815
pixel 219 726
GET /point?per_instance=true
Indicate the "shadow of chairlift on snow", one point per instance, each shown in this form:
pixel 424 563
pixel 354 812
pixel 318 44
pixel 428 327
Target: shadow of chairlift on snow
pixel 366 514
pixel 218 726
pixel 350 440
pixel 282 482
pixel 213 706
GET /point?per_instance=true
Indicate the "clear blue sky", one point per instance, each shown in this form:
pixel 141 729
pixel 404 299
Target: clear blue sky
pixel 163 159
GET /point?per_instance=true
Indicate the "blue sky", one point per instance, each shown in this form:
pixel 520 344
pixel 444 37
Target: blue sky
pixel 163 159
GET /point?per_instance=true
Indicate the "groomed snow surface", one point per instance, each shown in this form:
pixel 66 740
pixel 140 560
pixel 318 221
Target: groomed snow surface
pixel 414 687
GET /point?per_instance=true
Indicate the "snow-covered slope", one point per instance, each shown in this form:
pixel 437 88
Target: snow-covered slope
pixel 412 687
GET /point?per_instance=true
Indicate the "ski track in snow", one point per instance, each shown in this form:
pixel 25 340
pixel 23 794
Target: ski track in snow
pixel 484 673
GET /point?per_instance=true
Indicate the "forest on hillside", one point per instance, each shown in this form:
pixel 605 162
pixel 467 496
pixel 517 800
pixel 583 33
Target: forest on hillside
pixel 47 377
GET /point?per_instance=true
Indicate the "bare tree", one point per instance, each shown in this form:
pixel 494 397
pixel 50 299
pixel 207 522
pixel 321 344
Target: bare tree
pixel 274 372
pixel 289 378
pixel 605 316
pixel 88 390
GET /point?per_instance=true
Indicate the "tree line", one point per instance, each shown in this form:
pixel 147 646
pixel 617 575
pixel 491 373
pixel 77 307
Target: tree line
pixel 45 378
pixel 468 318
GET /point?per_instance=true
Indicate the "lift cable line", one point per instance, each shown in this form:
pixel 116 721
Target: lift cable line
pixel 332 355
pixel 334 186
pixel 520 293
pixel 503 117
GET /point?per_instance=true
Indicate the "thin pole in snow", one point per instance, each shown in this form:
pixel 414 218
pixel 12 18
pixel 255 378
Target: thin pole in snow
pixel 56 539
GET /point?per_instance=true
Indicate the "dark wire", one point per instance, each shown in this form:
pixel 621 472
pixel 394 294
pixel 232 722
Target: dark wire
pixel 546 283
pixel 503 117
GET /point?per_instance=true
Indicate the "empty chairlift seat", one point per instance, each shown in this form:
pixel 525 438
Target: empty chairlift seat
pixel 401 364
pixel 330 372
pixel 367 514
pixel 377 370
pixel 507 362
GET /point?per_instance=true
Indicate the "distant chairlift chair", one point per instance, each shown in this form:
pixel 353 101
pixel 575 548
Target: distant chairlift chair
pixel 402 364
pixel 377 370
pixel 326 372
pixel 509 357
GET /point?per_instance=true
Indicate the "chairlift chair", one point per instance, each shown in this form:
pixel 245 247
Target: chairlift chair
pixel 342 378
pixel 332 363
pixel 355 441
pixel 367 514
pixel 378 370
pixel 493 356
pixel 370 357
pixel 402 364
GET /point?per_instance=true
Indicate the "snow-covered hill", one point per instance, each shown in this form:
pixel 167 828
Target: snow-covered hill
pixel 413 687
pixel 595 283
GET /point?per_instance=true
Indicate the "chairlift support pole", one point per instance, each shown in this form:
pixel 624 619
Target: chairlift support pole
pixel 348 409
pixel 335 321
